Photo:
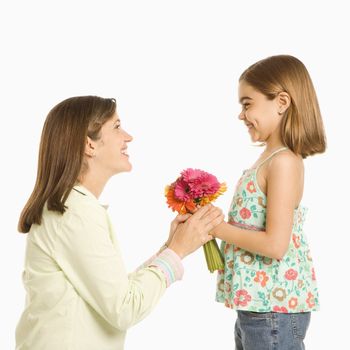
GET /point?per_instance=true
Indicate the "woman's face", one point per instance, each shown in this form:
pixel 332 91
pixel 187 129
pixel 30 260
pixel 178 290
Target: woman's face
pixel 110 154
pixel 258 113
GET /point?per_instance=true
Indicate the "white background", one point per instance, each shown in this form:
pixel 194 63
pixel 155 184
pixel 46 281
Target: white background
pixel 173 67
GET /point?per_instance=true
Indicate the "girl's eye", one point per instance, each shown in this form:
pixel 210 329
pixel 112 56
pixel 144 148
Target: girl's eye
pixel 117 126
pixel 245 106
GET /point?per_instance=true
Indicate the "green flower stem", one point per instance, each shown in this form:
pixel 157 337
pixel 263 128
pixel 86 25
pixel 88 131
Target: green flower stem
pixel 213 256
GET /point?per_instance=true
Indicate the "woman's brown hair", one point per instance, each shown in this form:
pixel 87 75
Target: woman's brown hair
pixel 302 128
pixel 61 153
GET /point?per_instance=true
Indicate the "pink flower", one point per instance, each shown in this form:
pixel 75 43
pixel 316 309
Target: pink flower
pixel 281 309
pixel 313 274
pixel 204 186
pixel 190 175
pixel 291 274
pixel 194 184
pixel 245 213
pixel 182 190
pixel 251 187
pixel 242 298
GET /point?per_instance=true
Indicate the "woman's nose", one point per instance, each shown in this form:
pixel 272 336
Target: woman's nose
pixel 241 115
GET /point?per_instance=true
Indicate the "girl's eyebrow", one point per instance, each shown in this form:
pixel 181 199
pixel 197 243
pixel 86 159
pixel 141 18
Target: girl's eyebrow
pixel 244 98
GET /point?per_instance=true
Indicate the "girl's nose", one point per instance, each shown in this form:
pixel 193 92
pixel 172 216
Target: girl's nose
pixel 128 137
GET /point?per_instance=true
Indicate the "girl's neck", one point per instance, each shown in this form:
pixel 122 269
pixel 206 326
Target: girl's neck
pixel 273 143
pixel 272 148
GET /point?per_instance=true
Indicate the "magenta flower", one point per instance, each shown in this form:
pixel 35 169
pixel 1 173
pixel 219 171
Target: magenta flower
pixel 200 183
pixel 182 190
pixel 205 186
pixel 190 175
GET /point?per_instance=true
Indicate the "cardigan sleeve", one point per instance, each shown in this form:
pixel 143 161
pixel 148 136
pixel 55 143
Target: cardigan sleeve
pixel 91 260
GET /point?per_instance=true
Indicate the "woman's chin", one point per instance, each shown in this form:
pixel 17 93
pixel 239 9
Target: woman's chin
pixel 126 168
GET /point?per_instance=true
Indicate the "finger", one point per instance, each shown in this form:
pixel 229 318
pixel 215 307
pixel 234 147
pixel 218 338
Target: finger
pixel 207 238
pixel 211 215
pixel 201 212
pixel 215 222
pixel 182 217
pixel 213 209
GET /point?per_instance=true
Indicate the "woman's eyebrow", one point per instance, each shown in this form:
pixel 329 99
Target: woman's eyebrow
pixel 244 98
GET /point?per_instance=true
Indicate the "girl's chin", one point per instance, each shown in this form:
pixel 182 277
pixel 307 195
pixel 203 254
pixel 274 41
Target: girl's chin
pixel 255 138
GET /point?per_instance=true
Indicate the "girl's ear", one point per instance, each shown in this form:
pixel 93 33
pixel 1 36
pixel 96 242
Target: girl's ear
pixel 90 149
pixel 283 100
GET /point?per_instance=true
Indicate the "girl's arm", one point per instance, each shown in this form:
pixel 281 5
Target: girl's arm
pixel 284 191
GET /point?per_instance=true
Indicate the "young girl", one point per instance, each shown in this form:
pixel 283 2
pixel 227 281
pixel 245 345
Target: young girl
pixel 268 277
pixel 79 295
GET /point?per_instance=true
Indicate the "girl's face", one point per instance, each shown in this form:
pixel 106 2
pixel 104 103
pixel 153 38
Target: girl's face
pixel 260 115
pixel 110 150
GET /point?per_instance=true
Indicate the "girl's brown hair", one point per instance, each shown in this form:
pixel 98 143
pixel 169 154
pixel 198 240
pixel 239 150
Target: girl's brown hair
pixel 302 128
pixel 61 153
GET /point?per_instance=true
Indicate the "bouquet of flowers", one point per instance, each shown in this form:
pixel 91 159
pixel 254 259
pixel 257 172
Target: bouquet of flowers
pixel 193 189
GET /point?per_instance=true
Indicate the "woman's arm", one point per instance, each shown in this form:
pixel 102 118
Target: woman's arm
pixel 174 224
pixel 89 256
pixel 284 186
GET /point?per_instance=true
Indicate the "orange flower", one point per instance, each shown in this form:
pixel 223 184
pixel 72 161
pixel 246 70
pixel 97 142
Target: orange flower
pixel 296 240
pixel 310 300
pixel 293 303
pixel 261 278
pixel 176 205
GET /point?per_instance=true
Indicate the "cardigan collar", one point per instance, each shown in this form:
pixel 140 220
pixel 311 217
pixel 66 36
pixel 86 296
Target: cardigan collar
pixel 84 191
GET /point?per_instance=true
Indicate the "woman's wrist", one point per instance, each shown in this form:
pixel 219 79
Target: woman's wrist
pixel 176 249
pixel 163 247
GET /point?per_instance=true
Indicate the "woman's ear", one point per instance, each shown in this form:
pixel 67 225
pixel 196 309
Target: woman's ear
pixel 283 100
pixel 90 149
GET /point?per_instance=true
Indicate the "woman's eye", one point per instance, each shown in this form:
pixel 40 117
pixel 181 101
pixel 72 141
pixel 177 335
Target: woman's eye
pixel 117 126
pixel 245 106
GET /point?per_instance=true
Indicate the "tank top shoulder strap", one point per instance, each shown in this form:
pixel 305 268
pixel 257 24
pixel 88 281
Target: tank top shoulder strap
pixel 270 156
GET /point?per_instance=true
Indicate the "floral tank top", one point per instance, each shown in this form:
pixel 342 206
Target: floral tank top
pixel 257 283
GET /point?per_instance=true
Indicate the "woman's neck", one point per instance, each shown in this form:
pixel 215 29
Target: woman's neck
pixel 95 184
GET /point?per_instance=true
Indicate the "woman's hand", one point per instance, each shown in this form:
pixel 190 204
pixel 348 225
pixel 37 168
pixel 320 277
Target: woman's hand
pixel 191 234
pixel 174 224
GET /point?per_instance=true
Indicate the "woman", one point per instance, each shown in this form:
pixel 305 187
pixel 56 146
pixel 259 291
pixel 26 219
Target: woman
pixel 79 295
